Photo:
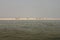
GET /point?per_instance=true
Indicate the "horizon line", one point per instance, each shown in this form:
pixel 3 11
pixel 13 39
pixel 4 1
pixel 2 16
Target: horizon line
pixel 30 18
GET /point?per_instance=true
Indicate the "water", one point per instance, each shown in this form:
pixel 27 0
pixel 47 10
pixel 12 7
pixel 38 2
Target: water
pixel 30 30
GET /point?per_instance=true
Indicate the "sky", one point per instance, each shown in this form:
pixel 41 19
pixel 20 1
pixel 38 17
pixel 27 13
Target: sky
pixel 30 8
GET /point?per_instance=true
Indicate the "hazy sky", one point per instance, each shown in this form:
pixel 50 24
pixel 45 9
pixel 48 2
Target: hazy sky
pixel 30 8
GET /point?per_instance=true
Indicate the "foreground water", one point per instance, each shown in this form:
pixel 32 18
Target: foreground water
pixel 30 30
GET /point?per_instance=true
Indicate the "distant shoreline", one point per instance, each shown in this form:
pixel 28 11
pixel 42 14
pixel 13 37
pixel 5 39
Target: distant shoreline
pixel 29 18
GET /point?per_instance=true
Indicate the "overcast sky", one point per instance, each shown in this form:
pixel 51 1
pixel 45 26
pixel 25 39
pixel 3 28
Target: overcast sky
pixel 30 8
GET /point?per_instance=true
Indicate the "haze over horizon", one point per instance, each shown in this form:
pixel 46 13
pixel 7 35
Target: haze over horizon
pixel 30 8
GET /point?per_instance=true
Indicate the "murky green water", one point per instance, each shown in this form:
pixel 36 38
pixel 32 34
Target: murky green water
pixel 30 30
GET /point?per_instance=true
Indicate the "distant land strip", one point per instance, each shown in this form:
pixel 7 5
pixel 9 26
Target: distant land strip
pixel 29 18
